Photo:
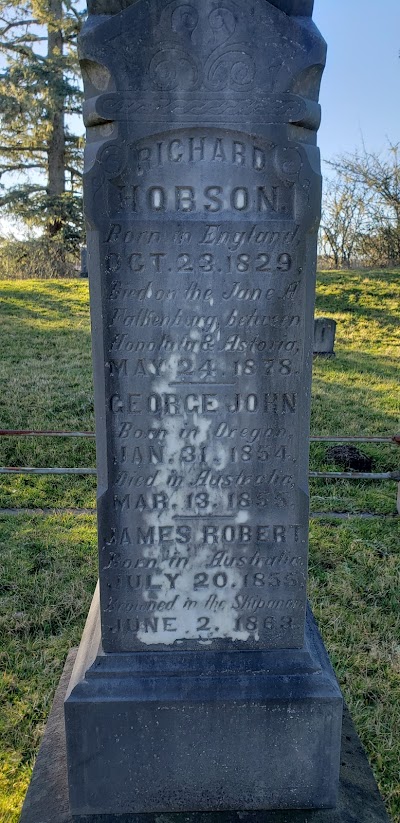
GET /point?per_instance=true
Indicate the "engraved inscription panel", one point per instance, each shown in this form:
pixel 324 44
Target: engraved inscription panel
pixel 204 352
pixel 201 252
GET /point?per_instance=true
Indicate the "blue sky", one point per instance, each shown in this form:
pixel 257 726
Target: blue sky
pixel 361 86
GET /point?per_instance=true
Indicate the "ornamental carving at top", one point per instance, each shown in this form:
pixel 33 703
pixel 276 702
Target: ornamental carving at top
pixel 229 63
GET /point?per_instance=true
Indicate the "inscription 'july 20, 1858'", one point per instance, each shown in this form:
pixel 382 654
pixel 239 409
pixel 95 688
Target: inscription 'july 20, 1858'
pixel 204 238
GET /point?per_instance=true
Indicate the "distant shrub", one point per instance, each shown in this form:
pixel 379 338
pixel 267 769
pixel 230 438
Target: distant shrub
pixel 40 257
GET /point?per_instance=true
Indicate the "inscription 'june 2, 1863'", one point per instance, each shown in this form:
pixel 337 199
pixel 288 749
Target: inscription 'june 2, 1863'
pixel 205 242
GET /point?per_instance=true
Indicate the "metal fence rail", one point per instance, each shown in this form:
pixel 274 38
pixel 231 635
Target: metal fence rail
pixel 23 470
pixel 36 470
pixel 314 439
pixel 357 475
pixel 327 475
pixel 40 433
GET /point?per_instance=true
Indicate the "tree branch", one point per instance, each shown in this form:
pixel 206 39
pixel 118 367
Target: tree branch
pixel 24 51
pixel 11 25
pixel 19 167
pixel 4 149
pixel 75 172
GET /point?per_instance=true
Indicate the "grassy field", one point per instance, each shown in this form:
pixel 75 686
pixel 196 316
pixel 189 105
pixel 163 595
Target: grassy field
pixel 48 566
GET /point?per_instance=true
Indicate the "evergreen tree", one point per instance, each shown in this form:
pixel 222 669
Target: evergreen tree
pixel 40 156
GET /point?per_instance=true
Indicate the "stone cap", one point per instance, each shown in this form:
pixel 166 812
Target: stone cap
pixel 298 8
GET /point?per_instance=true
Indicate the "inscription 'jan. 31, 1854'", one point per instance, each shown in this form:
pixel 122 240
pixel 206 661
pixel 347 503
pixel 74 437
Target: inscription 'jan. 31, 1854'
pixel 204 240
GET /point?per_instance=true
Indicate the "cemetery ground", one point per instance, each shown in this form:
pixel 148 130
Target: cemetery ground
pixel 48 559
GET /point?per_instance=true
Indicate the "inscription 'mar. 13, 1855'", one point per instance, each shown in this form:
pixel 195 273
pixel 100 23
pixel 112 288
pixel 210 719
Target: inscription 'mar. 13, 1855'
pixel 202 195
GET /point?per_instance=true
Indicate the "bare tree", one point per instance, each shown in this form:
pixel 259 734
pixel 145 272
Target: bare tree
pixel 377 177
pixel 343 220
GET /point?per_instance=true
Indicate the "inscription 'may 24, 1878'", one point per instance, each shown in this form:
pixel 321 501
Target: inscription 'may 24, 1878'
pixel 202 235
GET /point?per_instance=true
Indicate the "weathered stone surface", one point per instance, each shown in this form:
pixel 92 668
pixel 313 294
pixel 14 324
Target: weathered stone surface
pixel 202 197
pixel 291 7
pixel 177 731
pixel 47 799
pixel 83 271
pixel 324 336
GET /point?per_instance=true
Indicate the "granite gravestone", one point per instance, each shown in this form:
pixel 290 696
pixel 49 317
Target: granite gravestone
pixel 324 336
pixel 83 255
pixel 200 684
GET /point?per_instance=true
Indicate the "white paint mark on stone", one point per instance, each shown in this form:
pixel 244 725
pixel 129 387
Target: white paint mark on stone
pixel 193 600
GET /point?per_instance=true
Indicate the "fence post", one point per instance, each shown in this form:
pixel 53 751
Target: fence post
pixel 396 439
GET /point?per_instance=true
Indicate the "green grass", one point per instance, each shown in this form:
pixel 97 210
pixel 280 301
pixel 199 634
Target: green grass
pixel 47 578
pixel 356 393
pixel 48 564
pixel 354 587
pixel 46 383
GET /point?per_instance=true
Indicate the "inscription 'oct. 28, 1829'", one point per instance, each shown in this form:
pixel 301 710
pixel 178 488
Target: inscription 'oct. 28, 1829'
pixel 202 236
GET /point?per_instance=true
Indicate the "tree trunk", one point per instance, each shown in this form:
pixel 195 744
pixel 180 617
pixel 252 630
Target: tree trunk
pixel 56 142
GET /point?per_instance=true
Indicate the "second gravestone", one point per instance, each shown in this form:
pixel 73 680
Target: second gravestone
pixel 200 684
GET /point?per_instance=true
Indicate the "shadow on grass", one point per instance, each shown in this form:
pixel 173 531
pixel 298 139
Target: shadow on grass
pixel 363 295
pixel 350 396
pixel 327 304
pixel 357 362
pixel 25 303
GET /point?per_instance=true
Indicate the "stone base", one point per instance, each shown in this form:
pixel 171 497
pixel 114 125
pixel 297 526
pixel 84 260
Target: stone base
pixel 47 800
pixel 202 731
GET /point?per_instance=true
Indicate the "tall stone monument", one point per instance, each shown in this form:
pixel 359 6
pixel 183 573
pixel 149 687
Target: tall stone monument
pixel 201 682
